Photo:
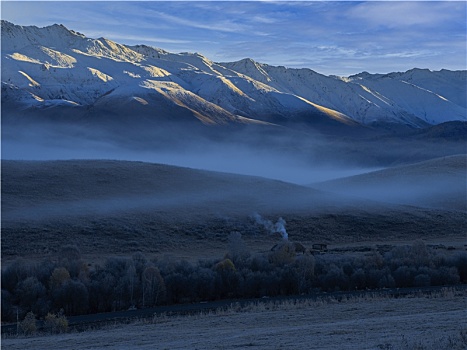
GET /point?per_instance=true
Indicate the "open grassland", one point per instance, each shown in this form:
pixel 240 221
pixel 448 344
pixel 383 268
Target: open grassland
pixel 116 207
pixel 415 322
pixel 111 209
pixel 436 183
pixel 196 238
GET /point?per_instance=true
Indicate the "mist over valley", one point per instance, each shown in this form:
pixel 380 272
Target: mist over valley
pixel 133 177
pixel 93 130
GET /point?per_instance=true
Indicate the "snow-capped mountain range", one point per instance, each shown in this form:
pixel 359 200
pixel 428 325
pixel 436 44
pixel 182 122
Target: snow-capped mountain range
pixel 56 68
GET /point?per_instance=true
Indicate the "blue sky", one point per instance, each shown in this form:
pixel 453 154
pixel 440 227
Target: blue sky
pixel 329 37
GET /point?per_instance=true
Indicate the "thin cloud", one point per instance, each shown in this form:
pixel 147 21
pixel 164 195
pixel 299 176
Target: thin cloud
pixel 407 13
pixel 137 38
pixel 330 37
pixel 222 26
pixel 263 19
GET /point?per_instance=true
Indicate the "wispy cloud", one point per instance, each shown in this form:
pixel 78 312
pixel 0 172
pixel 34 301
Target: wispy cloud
pixel 331 37
pixel 222 25
pixel 136 38
pixel 407 13
pixel 263 19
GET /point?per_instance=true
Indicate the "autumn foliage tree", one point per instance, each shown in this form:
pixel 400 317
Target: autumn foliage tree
pixel 122 282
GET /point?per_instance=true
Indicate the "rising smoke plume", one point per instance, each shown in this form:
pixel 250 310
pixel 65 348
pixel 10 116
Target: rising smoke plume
pixel 278 227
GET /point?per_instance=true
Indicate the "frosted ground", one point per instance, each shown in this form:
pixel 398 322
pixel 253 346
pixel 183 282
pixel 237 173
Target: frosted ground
pixel 418 322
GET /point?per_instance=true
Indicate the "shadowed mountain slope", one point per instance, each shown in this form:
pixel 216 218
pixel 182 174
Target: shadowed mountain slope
pixel 48 70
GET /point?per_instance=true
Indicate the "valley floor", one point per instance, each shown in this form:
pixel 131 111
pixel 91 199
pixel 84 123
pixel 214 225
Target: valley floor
pixel 416 322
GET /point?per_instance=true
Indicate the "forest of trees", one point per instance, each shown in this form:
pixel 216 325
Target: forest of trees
pixel 69 285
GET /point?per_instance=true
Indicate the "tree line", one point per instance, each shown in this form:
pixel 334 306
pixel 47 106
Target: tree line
pixel 68 285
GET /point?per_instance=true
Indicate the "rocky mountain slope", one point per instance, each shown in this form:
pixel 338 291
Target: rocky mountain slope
pixel 54 70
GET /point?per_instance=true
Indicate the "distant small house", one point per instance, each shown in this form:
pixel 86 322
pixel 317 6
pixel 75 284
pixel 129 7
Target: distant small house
pixel 320 247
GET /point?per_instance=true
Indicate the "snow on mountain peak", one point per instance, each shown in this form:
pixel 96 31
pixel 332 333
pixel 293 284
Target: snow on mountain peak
pixel 54 63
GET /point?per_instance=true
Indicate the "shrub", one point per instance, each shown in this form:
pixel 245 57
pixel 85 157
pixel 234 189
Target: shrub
pixel 59 276
pixel 29 292
pixel 227 279
pixel 284 254
pixel 358 279
pixel 72 296
pixel 305 267
pixel 225 265
pixel 28 325
pixel 18 271
pixel 387 281
pixel 404 276
pixel 334 279
pixel 55 323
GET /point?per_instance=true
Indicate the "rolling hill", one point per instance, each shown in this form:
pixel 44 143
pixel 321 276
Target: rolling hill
pixel 440 182
pixel 44 189
pixel 112 207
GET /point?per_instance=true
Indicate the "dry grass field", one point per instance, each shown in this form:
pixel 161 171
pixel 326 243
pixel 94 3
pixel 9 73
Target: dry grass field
pixel 416 322
pixel 436 183
pixel 116 207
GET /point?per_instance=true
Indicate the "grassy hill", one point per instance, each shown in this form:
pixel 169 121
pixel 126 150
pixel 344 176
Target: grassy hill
pixel 113 207
pixel 79 187
pixel 437 183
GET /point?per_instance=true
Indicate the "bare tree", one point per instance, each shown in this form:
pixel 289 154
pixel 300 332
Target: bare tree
pixel 153 286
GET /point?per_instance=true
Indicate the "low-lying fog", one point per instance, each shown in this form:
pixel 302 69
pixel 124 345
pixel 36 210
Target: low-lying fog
pixel 274 153
pixel 237 156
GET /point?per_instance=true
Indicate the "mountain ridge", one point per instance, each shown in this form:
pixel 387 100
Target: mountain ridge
pixel 53 66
